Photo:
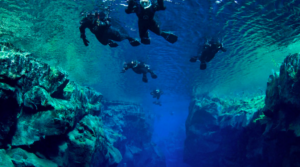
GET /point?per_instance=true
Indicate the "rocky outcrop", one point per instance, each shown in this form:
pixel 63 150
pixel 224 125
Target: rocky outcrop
pixel 215 130
pixel 47 119
pixel 256 132
pixel 131 128
pixel 283 96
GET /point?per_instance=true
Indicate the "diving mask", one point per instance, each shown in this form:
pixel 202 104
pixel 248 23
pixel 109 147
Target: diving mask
pixel 145 3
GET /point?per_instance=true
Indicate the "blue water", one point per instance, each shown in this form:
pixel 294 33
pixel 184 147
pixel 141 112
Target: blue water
pixel 256 33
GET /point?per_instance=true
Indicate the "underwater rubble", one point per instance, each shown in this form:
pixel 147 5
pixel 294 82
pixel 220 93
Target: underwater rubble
pixel 262 131
pixel 48 120
pixel 130 128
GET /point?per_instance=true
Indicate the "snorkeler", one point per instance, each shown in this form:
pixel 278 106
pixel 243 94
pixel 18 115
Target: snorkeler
pixel 156 93
pixel 145 12
pixel 99 24
pixel 209 51
pixel 157 103
pixel 139 68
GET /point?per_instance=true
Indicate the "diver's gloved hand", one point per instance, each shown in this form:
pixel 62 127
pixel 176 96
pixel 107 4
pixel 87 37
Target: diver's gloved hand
pixel 130 10
pixel 86 42
pixel 131 7
pixel 161 5
pixel 123 70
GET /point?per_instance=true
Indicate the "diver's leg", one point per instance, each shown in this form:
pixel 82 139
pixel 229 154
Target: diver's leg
pixel 145 77
pixel 154 76
pixel 143 31
pixel 167 35
pixel 116 35
pixel 203 65
pixel 154 27
pixel 101 39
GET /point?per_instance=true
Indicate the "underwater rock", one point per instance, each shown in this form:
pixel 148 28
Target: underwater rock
pixel 283 96
pixel 85 139
pixel 49 117
pixel 260 132
pixel 215 130
pixel 22 158
pixel 131 129
pixel 5 159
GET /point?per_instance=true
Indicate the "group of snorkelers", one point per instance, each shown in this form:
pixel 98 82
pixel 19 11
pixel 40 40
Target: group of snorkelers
pixel 100 25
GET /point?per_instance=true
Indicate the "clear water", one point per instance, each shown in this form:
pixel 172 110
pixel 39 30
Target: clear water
pixel 258 34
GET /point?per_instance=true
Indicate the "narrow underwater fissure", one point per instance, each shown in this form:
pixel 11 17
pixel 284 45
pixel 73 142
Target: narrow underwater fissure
pixel 237 112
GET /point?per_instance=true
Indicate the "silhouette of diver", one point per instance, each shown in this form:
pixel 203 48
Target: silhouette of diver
pixel 145 12
pixel 156 93
pixel 209 51
pixel 100 25
pixel 157 103
pixel 139 68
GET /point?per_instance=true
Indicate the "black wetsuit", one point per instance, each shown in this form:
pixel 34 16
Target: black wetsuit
pixel 208 53
pixel 147 22
pixel 156 94
pixel 103 31
pixel 140 68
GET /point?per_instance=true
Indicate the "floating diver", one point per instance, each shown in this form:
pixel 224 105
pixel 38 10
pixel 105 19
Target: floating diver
pixel 145 12
pixel 139 68
pixel 100 25
pixel 157 103
pixel 156 93
pixel 209 51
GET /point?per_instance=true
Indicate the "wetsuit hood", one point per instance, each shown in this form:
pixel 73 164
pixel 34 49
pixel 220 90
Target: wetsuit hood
pixel 135 63
pixel 145 3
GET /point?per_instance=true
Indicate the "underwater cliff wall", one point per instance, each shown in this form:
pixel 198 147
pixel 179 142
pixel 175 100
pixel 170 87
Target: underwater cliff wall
pixel 46 119
pixel 131 131
pixel 263 131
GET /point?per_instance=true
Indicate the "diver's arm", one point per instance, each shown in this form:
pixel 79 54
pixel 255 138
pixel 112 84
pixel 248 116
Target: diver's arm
pixel 85 23
pixel 223 49
pixel 160 5
pixel 125 67
pixel 131 8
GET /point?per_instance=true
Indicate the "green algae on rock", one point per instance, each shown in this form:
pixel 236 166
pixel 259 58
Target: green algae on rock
pixel 40 112
pixel 283 95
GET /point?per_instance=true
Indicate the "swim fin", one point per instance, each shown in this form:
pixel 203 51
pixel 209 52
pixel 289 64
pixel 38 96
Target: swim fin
pixel 112 44
pixel 169 37
pixel 203 66
pixel 134 42
pixel 145 79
